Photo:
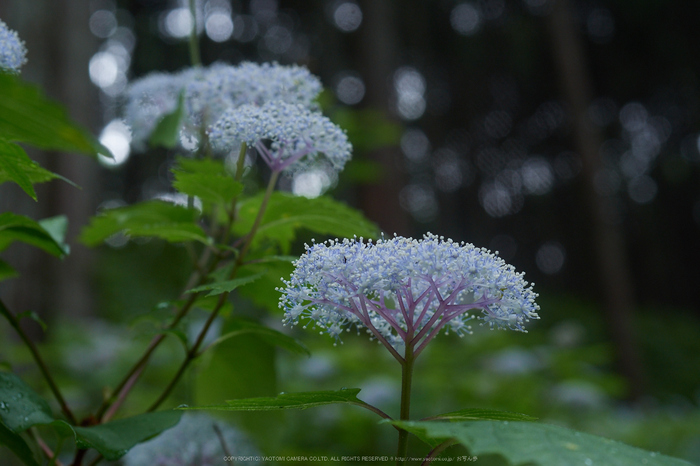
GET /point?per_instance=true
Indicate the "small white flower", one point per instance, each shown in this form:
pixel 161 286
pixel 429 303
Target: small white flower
pixel 13 53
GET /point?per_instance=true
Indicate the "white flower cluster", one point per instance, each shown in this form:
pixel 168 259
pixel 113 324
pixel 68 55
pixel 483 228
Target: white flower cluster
pixel 209 92
pixel 13 53
pixel 297 136
pixel 404 291
pixel 192 442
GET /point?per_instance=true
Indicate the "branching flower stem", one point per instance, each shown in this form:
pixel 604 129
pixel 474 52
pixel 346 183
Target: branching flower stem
pixel 39 361
pixel 193 352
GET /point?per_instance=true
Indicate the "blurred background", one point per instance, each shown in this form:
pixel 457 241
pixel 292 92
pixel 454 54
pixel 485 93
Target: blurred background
pixel 564 134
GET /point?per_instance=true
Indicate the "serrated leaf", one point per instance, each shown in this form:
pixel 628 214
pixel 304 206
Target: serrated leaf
pixel 301 400
pixel 15 227
pixel 16 166
pixel 286 214
pixel 160 219
pixel 226 286
pixel 535 443
pixel 167 131
pixel 27 116
pixel 242 326
pixel 485 414
pixel 17 445
pixel 6 271
pixel 207 179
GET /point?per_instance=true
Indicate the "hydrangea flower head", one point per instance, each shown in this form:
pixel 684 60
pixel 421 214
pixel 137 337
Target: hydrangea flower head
pixel 404 291
pixel 297 135
pixel 194 441
pixel 224 86
pixel 149 99
pixel 13 53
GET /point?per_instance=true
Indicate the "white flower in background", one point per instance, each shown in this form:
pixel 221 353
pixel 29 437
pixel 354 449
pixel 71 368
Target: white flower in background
pixel 13 53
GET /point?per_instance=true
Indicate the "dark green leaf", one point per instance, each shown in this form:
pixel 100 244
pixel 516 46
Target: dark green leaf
pixel 6 271
pixel 207 179
pixel 300 400
pixel 17 445
pixel 534 443
pixel 27 116
pixel 20 406
pixel 16 166
pixel 287 213
pixel 485 414
pixel 242 326
pixel 152 218
pixel 167 131
pixel 226 286
pixel 20 228
pixel 114 439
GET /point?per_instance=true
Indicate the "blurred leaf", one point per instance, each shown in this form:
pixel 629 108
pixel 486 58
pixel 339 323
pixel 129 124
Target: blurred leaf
pixel 6 271
pixel 262 292
pixel 20 406
pixel 534 443
pixel 20 228
pixel 27 116
pixel 167 131
pixel 114 439
pixel 302 400
pixel 486 414
pixel 207 179
pixel 33 316
pixel 241 326
pixel 367 129
pixel 287 213
pixel 164 220
pixel 226 286
pixel 16 166
pixel 364 171
pixel 17 445
pixel 57 227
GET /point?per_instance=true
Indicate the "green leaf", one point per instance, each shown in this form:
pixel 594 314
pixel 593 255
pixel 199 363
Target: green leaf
pixel 20 406
pixel 367 129
pixel 241 326
pixel 17 445
pixel 20 228
pixel 287 213
pixel 167 131
pixel 534 443
pixel 485 414
pixel 301 400
pixel 33 316
pixel 207 179
pixel 226 286
pixel 6 271
pixel 57 227
pixel 16 166
pixel 114 439
pixel 160 219
pixel 27 116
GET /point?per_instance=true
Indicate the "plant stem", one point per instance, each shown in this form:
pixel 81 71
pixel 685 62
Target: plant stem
pixel 194 350
pixel 39 361
pixel 437 450
pixel 406 376
pixel 194 43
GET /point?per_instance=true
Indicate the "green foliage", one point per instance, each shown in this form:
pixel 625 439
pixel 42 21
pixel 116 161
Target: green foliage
pixel 22 408
pixel 6 271
pixel 160 219
pixel 367 129
pixel 16 166
pixel 286 214
pixel 302 400
pixel 532 443
pixel 46 236
pixel 225 286
pixel 479 413
pixel 242 326
pixel 207 179
pixel 27 116
pixel 17 445
pixel 167 131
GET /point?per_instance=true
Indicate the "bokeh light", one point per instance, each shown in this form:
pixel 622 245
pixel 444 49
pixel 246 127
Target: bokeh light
pixel 349 88
pixel 550 257
pixel 465 18
pixel 347 16
pixel 410 89
pixel 116 137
